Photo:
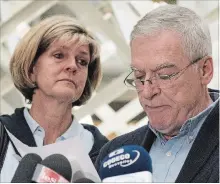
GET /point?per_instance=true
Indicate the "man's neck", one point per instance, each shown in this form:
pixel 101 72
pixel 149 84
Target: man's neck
pixel 198 108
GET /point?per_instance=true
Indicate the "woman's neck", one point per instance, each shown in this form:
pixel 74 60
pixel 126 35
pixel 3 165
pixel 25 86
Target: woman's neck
pixel 53 116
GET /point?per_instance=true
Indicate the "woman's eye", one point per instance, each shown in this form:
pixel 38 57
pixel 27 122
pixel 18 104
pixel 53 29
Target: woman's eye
pixel 59 55
pixel 83 62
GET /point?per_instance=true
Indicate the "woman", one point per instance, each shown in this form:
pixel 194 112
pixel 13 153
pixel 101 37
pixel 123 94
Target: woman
pixel 56 66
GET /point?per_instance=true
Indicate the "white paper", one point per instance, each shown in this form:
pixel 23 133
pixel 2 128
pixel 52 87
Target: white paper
pixel 71 148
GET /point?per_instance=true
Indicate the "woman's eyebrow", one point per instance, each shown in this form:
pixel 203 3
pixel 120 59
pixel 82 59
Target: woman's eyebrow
pixel 84 53
pixel 64 47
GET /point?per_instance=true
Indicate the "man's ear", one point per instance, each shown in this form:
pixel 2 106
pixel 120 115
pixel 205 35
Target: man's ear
pixel 206 68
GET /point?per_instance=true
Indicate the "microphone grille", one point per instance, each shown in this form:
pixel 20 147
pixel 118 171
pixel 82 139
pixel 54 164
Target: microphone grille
pixel 59 164
pixel 26 168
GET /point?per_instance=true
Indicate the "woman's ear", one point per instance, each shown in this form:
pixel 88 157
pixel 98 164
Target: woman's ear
pixel 33 74
pixel 206 70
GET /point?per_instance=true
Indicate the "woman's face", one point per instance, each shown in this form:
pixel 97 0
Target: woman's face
pixel 61 71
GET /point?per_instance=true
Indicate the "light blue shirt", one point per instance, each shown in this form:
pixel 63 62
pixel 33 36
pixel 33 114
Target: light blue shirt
pixel 169 156
pixel 75 129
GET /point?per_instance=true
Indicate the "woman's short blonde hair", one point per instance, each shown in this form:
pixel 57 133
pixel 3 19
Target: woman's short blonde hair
pixel 37 41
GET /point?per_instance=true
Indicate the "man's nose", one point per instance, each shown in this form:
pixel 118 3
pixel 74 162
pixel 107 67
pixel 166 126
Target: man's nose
pixel 150 90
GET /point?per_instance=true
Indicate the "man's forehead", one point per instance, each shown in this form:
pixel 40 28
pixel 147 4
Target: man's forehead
pixel 164 40
pixel 159 55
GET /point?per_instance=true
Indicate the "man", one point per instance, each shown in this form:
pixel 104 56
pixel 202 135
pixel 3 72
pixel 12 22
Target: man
pixel 171 68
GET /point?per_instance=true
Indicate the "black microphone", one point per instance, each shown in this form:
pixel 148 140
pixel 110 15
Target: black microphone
pixel 26 168
pixel 84 180
pixel 53 169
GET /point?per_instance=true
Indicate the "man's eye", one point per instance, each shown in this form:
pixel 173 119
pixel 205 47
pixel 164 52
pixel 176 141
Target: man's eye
pixel 140 78
pixel 83 62
pixel 59 55
pixel 165 77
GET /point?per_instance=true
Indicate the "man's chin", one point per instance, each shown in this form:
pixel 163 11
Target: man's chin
pixel 159 124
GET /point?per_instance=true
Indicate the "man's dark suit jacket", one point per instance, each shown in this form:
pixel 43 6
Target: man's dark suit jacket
pixel 202 162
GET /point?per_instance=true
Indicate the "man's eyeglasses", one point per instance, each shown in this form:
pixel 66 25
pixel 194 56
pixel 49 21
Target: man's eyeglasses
pixel 160 80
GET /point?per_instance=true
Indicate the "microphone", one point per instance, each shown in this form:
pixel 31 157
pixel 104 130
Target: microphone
pixel 26 168
pixel 127 164
pixel 53 169
pixel 78 175
pixel 84 180
pixel 77 172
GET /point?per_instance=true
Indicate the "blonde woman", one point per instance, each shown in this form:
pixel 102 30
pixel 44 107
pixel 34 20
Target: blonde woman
pixel 56 66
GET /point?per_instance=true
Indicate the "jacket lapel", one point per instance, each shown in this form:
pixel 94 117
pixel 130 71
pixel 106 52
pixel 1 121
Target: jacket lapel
pixel 16 124
pixel 148 139
pixel 206 140
pixel 99 141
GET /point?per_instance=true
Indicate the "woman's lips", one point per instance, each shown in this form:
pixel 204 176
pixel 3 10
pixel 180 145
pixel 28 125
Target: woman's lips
pixel 68 80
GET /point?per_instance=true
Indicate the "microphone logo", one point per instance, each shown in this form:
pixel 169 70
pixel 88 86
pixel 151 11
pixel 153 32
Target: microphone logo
pixel 44 174
pixel 123 160
pixel 49 176
pixel 131 161
pixel 117 152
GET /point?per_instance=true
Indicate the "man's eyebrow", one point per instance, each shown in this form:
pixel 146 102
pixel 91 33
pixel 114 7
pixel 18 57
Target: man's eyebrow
pixel 164 65
pixel 159 67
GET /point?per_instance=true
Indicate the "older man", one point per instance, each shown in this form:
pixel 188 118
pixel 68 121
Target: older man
pixel 171 67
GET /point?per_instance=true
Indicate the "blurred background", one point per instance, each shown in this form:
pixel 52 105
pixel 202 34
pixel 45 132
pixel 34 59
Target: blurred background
pixel 114 109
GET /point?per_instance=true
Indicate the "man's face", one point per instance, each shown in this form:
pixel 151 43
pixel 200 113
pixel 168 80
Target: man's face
pixel 169 107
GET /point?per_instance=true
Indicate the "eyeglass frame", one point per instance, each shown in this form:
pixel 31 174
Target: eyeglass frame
pixel 170 76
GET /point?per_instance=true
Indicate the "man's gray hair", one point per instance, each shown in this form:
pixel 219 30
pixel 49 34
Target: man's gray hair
pixel 194 31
